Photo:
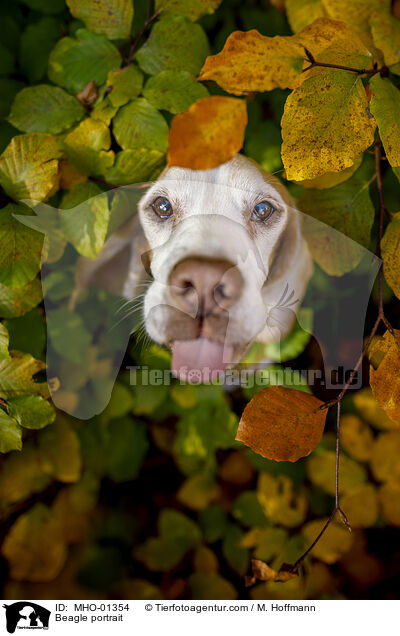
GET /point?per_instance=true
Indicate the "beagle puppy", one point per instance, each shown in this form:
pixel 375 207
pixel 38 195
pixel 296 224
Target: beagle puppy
pixel 227 260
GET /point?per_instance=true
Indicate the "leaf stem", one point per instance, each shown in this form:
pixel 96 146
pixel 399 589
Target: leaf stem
pixel 148 21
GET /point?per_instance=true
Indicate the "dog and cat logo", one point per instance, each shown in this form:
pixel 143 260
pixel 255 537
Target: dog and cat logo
pixel 26 615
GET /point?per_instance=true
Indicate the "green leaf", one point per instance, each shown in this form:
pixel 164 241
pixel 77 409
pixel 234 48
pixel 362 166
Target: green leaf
pixel 28 333
pixel 134 166
pixel 87 147
pixel 112 18
pixel 192 9
pixel 177 535
pixel 174 44
pixel 349 210
pixel 174 91
pixel 45 108
pixel 31 411
pixel 213 521
pixel 16 302
pixel 247 509
pixel 301 13
pixel 10 433
pixel 59 451
pixel 198 491
pixel 21 476
pixel 46 6
pixel 126 449
pixel 68 335
pixel 295 342
pixel 121 401
pixel 29 166
pixel 124 84
pixel 79 193
pixel 7 61
pixel 85 226
pixel 385 29
pixel 385 107
pixel 4 355
pixel 206 585
pixel 326 122
pixel 391 253
pixel 267 155
pixel 74 62
pixel 236 556
pixel 21 251
pixel 36 44
pixel 8 89
pixel 140 125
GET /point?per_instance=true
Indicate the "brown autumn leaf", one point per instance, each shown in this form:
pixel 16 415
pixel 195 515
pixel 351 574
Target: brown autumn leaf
pixel 384 376
pixel 209 133
pixel 261 571
pixel 88 94
pixel 282 424
pixel 250 61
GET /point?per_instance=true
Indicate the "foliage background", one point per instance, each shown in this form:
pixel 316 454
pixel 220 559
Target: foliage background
pixel 154 498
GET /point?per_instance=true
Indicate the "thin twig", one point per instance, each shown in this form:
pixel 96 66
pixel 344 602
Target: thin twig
pixel 313 63
pixel 148 21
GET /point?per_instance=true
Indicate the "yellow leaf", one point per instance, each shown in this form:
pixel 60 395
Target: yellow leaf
pixel 29 167
pixel 34 547
pixel 386 35
pixel 321 471
pixel 385 460
pixel 355 12
pixel 335 541
pixel 301 13
pixel 281 504
pixel 250 61
pixel 356 437
pixel 371 412
pixel 389 499
pixel 87 147
pixel 208 134
pixel 326 124
pixel 112 18
pixel 194 9
pixel 390 246
pixel 385 107
pixel 361 506
pixel 73 507
pixel 384 376
pixel 60 451
pixel 331 179
pixel 21 476
pixel 282 424
pixel 198 492
pixel 204 560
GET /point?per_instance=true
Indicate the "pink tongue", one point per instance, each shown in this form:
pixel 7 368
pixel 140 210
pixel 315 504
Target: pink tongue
pixel 196 360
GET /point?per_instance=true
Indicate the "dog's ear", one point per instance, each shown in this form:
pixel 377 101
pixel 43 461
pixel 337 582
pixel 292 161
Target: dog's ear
pixel 121 265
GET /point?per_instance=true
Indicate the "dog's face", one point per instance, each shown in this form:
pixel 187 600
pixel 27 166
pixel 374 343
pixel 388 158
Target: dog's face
pixel 214 236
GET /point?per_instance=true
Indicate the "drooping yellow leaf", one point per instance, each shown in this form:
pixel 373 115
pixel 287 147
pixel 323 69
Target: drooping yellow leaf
pixel 385 30
pixel 356 12
pixel 389 500
pixel 282 424
pixel 371 411
pixel 208 134
pixel 112 18
pixel 385 459
pixel 361 506
pixel 384 376
pixel 335 541
pixel 331 179
pixel 385 107
pixel 326 123
pixel 250 61
pixel 356 437
pixel 280 502
pixel 34 547
pixel 29 166
pixel 390 246
pixel 301 13
pixel 321 471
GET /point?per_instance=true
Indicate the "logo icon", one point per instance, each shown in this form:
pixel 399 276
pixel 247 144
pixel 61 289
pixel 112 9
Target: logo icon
pixel 26 615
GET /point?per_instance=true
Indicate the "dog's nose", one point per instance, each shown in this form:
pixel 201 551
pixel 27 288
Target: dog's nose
pixel 205 285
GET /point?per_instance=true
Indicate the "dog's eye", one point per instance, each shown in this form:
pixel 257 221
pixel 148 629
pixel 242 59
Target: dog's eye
pixel 262 211
pixel 162 207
